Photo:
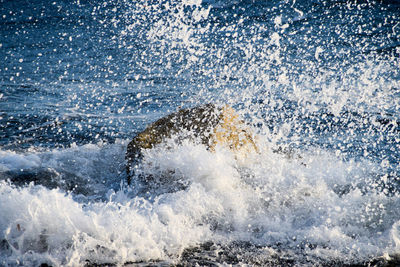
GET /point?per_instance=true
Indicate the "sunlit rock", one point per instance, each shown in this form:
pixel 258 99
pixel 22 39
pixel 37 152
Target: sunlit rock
pixel 207 124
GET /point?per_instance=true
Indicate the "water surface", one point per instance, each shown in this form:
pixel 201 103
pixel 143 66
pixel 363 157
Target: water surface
pixel 317 79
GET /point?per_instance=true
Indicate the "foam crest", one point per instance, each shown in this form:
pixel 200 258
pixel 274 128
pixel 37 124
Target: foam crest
pixel 317 200
pixel 313 204
pixel 49 225
pixel 10 160
pixel 91 169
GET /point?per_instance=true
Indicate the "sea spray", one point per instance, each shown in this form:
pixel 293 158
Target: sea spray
pixel 317 80
pixel 313 205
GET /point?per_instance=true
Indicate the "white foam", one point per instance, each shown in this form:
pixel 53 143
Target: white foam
pixel 267 200
pixel 10 160
pixel 50 225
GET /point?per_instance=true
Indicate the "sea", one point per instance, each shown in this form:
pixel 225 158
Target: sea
pixel 317 81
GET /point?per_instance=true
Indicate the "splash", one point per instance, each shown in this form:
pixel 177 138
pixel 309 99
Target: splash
pixel 317 80
pixel 315 206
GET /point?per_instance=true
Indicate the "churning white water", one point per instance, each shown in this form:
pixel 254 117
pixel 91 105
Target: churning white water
pixel 318 81
pixel 309 204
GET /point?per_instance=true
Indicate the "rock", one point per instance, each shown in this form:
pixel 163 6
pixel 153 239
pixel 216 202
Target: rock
pixel 206 124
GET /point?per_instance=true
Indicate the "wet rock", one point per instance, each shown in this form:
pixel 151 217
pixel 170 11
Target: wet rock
pixel 207 124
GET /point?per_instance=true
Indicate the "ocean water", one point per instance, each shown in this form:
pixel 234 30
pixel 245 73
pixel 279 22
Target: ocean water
pixel 317 81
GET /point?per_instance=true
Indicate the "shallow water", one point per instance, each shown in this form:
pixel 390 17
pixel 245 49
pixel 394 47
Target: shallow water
pixel 317 81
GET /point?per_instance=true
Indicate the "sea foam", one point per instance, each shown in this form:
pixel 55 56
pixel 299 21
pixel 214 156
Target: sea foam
pixel 314 205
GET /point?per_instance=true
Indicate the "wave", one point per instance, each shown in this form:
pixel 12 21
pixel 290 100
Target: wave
pixel 316 206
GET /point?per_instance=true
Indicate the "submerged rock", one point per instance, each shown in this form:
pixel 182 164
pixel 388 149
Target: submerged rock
pixel 207 124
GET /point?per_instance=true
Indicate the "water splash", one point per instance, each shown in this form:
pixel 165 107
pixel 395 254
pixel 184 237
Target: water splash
pixel 317 80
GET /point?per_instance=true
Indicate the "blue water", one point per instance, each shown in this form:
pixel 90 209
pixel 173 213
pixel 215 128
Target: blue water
pixel 79 79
